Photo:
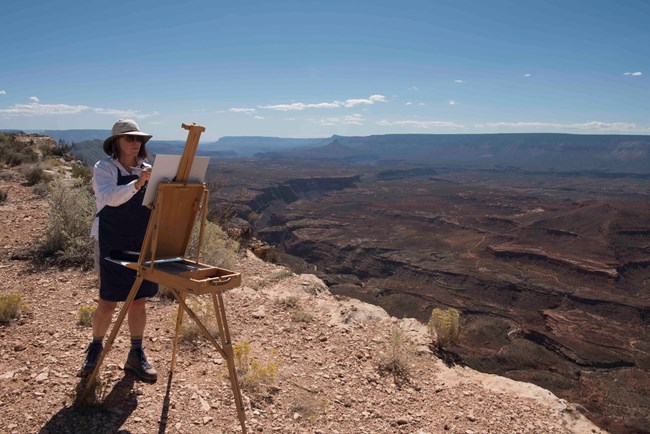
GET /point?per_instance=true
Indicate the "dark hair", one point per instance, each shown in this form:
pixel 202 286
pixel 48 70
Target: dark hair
pixel 115 149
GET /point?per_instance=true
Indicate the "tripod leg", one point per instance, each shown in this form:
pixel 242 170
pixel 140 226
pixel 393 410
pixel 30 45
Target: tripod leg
pixel 179 323
pixel 224 335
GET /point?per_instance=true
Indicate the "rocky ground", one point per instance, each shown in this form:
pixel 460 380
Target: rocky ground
pixel 327 350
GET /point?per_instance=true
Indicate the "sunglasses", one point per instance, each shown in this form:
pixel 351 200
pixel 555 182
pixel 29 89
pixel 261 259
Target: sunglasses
pixel 132 139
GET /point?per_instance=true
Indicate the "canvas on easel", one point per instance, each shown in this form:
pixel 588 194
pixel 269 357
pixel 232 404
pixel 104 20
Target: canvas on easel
pixel 162 259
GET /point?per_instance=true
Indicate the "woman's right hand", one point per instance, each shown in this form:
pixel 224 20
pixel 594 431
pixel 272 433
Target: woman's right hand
pixel 145 174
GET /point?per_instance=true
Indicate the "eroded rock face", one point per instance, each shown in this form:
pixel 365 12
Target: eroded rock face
pixel 553 287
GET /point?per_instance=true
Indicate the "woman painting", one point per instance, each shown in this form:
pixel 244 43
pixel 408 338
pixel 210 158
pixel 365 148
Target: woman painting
pixel 119 182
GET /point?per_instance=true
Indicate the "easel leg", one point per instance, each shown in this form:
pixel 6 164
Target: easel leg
pixel 179 323
pixel 224 335
pixel 228 355
pixel 114 330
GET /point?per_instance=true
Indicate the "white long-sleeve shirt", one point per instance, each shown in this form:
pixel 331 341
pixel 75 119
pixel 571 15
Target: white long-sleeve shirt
pixel 107 192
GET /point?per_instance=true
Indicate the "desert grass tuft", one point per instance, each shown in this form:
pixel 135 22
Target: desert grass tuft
pixel 307 404
pixel 10 306
pixel 254 376
pixel 293 304
pixel 86 315
pixel 397 358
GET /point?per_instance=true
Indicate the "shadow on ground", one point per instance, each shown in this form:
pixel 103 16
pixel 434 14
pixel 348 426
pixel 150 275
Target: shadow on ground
pixel 107 416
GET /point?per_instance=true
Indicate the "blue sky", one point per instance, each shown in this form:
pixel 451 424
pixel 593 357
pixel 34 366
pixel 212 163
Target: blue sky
pixel 313 69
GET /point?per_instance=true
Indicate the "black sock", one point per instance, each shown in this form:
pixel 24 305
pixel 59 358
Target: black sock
pixel 136 342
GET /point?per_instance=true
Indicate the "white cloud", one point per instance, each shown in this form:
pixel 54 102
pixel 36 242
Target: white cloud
pixel 35 109
pixel 452 102
pixel 459 81
pixel 248 111
pixel 33 98
pixel 527 75
pixel 38 109
pixel 2 92
pixel 414 88
pixel 354 119
pixel 297 106
pixel 592 125
pixel 129 114
pixel 634 74
pixel 259 117
pixel 199 110
pixel 371 100
pixel 408 103
pixel 421 124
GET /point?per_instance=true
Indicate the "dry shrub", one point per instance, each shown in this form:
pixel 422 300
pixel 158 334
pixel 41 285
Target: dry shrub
pixel 4 194
pixel 254 376
pixel 307 404
pixel 397 358
pixel 71 212
pixel 298 314
pixel 190 332
pixel 9 307
pixel 81 171
pixel 35 174
pixel 444 327
pixel 217 248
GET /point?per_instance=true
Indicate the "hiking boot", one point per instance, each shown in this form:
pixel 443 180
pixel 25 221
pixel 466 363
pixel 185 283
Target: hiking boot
pixel 92 355
pixel 138 364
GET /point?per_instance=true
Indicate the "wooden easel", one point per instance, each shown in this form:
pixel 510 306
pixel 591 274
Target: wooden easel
pixel 162 260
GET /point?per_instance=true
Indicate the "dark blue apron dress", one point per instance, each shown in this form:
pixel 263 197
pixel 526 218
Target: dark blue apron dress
pixel 122 228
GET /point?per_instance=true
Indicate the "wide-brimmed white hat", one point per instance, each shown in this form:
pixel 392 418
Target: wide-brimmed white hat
pixel 125 127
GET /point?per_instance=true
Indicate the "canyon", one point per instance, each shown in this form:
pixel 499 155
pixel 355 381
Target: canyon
pixel 550 271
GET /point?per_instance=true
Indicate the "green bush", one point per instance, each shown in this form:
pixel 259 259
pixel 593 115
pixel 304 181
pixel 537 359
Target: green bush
pixel 444 327
pixel 71 213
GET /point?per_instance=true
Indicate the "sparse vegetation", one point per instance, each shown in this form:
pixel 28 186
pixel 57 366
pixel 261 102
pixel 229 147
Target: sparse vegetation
pixel 444 327
pixel 254 376
pixel 298 314
pixel 270 280
pixel 397 358
pixel 81 171
pixel 10 305
pixel 190 332
pixel 71 212
pixel 35 174
pixel 15 153
pixel 86 315
pixel 307 404
pixel 217 248
pixel 4 194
